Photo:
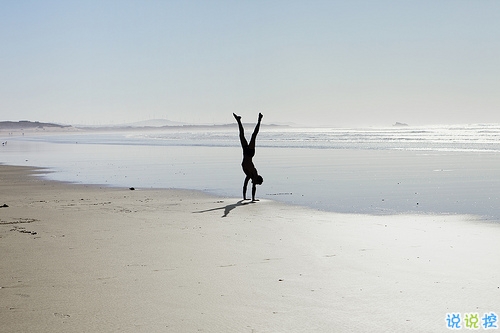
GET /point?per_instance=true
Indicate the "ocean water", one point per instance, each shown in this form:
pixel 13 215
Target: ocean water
pixel 439 169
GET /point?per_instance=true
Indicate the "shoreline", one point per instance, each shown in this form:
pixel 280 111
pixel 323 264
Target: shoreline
pixel 378 182
pixel 42 171
pixel 88 258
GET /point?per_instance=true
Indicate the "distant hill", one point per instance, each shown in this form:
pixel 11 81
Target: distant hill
pixel 25 124
pixel 153 123
pixel 169 123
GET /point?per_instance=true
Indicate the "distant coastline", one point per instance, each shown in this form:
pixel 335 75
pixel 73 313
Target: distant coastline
pixel 36 125
pixel 166 127
pixel 25 124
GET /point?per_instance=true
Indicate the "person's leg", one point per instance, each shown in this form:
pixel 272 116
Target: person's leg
pixel 255 132
pixel 243 140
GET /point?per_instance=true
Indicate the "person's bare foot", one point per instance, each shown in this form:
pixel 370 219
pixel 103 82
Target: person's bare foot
pixel 236 116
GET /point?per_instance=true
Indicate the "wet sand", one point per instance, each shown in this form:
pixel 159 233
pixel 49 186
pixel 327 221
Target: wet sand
pixel 78 258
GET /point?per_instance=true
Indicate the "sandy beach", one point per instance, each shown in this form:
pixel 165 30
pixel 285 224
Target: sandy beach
pixel 78 258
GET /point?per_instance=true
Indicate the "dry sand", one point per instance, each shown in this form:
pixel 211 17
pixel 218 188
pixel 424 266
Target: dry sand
pixel 78 258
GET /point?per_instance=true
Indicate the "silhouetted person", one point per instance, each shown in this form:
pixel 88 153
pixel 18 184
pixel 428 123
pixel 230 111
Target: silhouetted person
pixel 248 153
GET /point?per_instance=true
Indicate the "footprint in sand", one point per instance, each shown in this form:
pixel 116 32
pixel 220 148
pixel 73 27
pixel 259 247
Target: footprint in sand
pixel 61 315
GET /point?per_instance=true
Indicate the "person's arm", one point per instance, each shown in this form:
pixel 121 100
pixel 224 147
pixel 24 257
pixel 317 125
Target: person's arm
pixel 254 189
pixel 245 187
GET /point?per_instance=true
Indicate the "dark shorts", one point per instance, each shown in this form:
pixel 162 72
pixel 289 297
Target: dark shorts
pixel 248 152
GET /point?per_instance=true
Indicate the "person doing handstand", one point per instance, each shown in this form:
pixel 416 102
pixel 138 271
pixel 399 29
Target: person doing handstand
pixel 248 153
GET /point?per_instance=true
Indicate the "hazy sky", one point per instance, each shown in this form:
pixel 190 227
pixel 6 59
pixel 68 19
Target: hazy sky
pixel 338 63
